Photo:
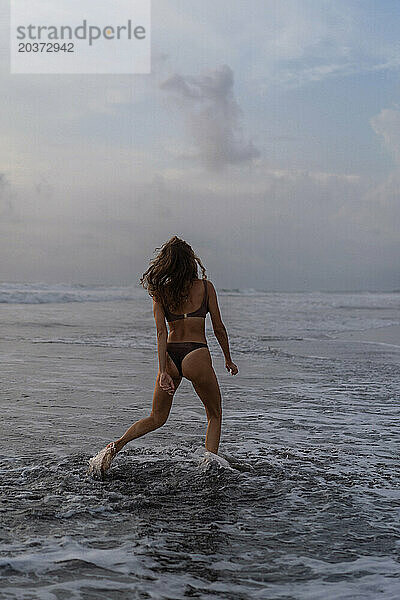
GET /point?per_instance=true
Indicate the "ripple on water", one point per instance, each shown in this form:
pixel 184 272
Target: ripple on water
pixel 174 523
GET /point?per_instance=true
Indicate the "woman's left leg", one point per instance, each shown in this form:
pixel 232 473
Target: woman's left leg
pixel 162 402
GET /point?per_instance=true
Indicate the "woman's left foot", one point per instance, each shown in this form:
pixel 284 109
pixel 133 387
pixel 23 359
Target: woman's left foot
pixel 100 463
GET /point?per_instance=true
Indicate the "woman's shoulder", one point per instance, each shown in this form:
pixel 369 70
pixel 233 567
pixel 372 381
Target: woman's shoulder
pixel 210 286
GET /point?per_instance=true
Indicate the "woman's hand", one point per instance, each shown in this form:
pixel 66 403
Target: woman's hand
pixel 166 382
pixel 231 367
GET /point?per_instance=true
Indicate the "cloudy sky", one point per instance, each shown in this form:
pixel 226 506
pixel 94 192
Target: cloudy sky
pixel 267 135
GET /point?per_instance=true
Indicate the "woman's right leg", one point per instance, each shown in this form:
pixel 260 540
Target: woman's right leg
pixel 162 402
pixel 197 366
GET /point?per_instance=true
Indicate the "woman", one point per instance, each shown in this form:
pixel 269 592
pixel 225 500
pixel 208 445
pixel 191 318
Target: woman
pixel 183 300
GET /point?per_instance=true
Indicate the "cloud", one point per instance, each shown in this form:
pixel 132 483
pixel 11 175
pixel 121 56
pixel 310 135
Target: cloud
pixel 7 209
pixel 282 229
pixel 213 117
pixel 300 41
pixel 383 199
pixel 387 125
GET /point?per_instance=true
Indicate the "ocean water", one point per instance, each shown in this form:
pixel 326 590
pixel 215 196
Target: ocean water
pixel 304 502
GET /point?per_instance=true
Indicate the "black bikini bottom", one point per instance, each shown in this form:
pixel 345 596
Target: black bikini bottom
pixel 178 351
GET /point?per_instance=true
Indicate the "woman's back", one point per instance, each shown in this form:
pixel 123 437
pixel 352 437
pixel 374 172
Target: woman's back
pixel 187 323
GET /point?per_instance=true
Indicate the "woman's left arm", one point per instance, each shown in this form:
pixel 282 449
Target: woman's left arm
pixel 166 381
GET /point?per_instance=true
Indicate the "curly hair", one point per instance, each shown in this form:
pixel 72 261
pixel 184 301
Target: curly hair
pixel 171 273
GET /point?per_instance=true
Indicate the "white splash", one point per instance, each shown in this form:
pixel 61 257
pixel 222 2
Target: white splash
pixel 100 463
pixel 209 460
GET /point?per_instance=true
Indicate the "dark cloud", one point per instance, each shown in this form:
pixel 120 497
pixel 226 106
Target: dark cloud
pixel 213 117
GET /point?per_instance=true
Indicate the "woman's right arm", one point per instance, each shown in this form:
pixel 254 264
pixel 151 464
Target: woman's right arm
pixel 165 381
pixel 219 328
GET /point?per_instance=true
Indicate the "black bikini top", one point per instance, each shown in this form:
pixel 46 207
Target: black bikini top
pixel 200 312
